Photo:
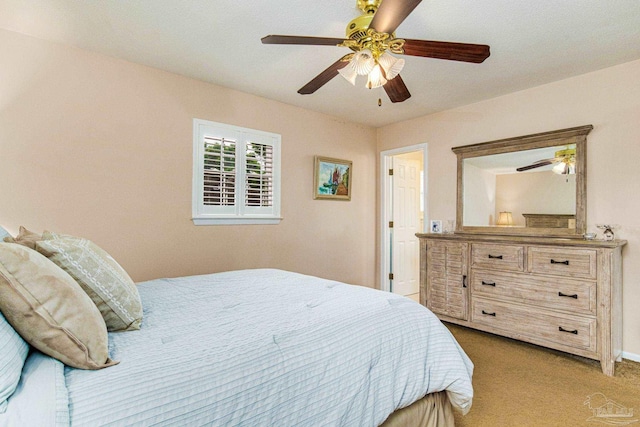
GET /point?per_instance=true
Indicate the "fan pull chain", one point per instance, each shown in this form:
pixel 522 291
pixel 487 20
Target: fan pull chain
pixel 379 102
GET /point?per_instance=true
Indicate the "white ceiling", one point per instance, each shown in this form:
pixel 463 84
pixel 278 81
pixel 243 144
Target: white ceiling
pixel 218 41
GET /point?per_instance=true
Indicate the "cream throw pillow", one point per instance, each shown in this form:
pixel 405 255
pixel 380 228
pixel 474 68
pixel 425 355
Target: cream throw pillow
pixel 50 310
pixel 101 277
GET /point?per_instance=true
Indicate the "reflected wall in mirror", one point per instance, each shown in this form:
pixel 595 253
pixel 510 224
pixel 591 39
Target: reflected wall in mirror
pixel 528 185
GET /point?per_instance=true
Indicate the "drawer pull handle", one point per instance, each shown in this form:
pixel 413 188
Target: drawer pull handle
pixel 488 284
pixel 464 281
pixel 575 296
pixel 495 256
pixel 561 329
pixel 494 314
pixel 566 262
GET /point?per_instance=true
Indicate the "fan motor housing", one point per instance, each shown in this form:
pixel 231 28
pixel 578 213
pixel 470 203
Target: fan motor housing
pixel 357 28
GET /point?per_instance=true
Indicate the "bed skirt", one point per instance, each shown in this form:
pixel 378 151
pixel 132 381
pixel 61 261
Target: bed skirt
pixel 433 410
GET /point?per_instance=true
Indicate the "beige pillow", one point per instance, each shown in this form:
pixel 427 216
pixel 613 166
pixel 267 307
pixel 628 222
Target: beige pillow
pixel 25 237
pixel 50 310
pixel 101 277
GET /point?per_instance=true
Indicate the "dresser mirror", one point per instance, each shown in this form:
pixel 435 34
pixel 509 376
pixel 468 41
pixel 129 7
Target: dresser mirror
pixel 533 185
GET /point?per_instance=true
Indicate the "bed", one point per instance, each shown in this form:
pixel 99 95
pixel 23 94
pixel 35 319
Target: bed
pixel 258 347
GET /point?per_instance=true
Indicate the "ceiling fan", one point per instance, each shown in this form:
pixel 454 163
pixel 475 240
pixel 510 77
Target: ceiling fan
pixel 565 159
pixel 371 37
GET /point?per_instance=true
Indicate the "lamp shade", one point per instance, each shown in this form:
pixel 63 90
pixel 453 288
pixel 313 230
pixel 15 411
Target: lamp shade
pixel 505 218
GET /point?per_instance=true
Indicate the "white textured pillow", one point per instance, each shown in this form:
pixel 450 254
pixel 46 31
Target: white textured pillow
pixel 99 275
pixel 13 353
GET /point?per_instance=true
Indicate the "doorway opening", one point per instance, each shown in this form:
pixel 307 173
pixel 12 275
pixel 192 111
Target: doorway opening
pixel 403 175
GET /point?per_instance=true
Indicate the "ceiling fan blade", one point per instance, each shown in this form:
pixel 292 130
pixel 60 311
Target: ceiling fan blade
pixel 391 13
pixel 316 41
pixel 535 165
pixel 323 78
pixel 465 52
pixel 397 90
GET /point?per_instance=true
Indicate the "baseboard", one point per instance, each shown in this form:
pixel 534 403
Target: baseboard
pixel 631 356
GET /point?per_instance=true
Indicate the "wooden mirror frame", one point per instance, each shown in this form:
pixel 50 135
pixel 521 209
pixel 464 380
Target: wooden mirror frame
pixel 577 136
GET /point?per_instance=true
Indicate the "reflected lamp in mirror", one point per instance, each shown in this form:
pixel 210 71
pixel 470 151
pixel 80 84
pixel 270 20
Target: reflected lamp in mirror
pixel 505 219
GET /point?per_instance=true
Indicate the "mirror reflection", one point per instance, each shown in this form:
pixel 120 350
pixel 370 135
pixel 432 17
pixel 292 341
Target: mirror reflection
pixel 531 188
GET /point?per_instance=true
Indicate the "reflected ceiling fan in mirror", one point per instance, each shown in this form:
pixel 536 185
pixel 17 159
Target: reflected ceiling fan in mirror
pixel 372 39
pixel 565 162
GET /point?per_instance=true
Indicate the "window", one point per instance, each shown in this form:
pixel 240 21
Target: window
pixel 236 175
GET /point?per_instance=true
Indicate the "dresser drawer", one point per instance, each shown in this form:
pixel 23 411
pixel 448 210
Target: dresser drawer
pixel 577 296
pixel 499 257
pixel 566 262
pixel 540 326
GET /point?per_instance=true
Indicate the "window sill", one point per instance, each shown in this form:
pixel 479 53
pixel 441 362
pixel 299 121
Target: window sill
pixel 237 221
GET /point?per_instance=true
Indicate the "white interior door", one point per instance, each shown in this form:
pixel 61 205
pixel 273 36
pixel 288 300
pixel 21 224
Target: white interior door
pixel 406 223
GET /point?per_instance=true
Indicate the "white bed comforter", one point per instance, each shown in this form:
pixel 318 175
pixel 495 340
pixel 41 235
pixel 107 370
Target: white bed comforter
pixel 269 348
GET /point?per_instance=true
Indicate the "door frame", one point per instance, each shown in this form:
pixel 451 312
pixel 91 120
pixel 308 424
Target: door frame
pixel 385 215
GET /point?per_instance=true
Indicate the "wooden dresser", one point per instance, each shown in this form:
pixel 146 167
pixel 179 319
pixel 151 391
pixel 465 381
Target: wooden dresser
pixel 560 293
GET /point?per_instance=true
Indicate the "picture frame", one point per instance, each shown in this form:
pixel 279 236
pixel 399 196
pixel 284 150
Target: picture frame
pixel 435 226
pixel 332 178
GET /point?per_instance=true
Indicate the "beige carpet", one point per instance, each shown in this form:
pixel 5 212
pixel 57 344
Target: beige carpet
pixel 518 384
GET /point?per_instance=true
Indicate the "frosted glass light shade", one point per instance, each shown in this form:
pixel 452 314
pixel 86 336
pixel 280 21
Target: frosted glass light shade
pixel 376 79
pixel 391 65
pixel 349 73
pixel 559 168
pixel 565 168
pixel 363 62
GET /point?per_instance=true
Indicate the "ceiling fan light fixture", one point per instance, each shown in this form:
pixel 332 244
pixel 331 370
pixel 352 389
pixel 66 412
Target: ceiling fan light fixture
pixel 391 65
pixel 376 78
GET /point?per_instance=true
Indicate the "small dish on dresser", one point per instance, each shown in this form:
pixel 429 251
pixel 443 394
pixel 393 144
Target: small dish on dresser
pixel 589 236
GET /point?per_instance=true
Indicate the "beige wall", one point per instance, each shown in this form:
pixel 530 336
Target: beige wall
pixel 102 148
pixel 535 192
pixel 480 192
pixel 608 99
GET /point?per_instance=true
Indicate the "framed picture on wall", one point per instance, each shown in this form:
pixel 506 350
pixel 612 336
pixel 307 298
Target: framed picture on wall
pixel 332 178
pixel 435 226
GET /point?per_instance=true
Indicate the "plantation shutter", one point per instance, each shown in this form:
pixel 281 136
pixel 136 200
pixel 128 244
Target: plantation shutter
pixel 258 176
pixel 219 174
